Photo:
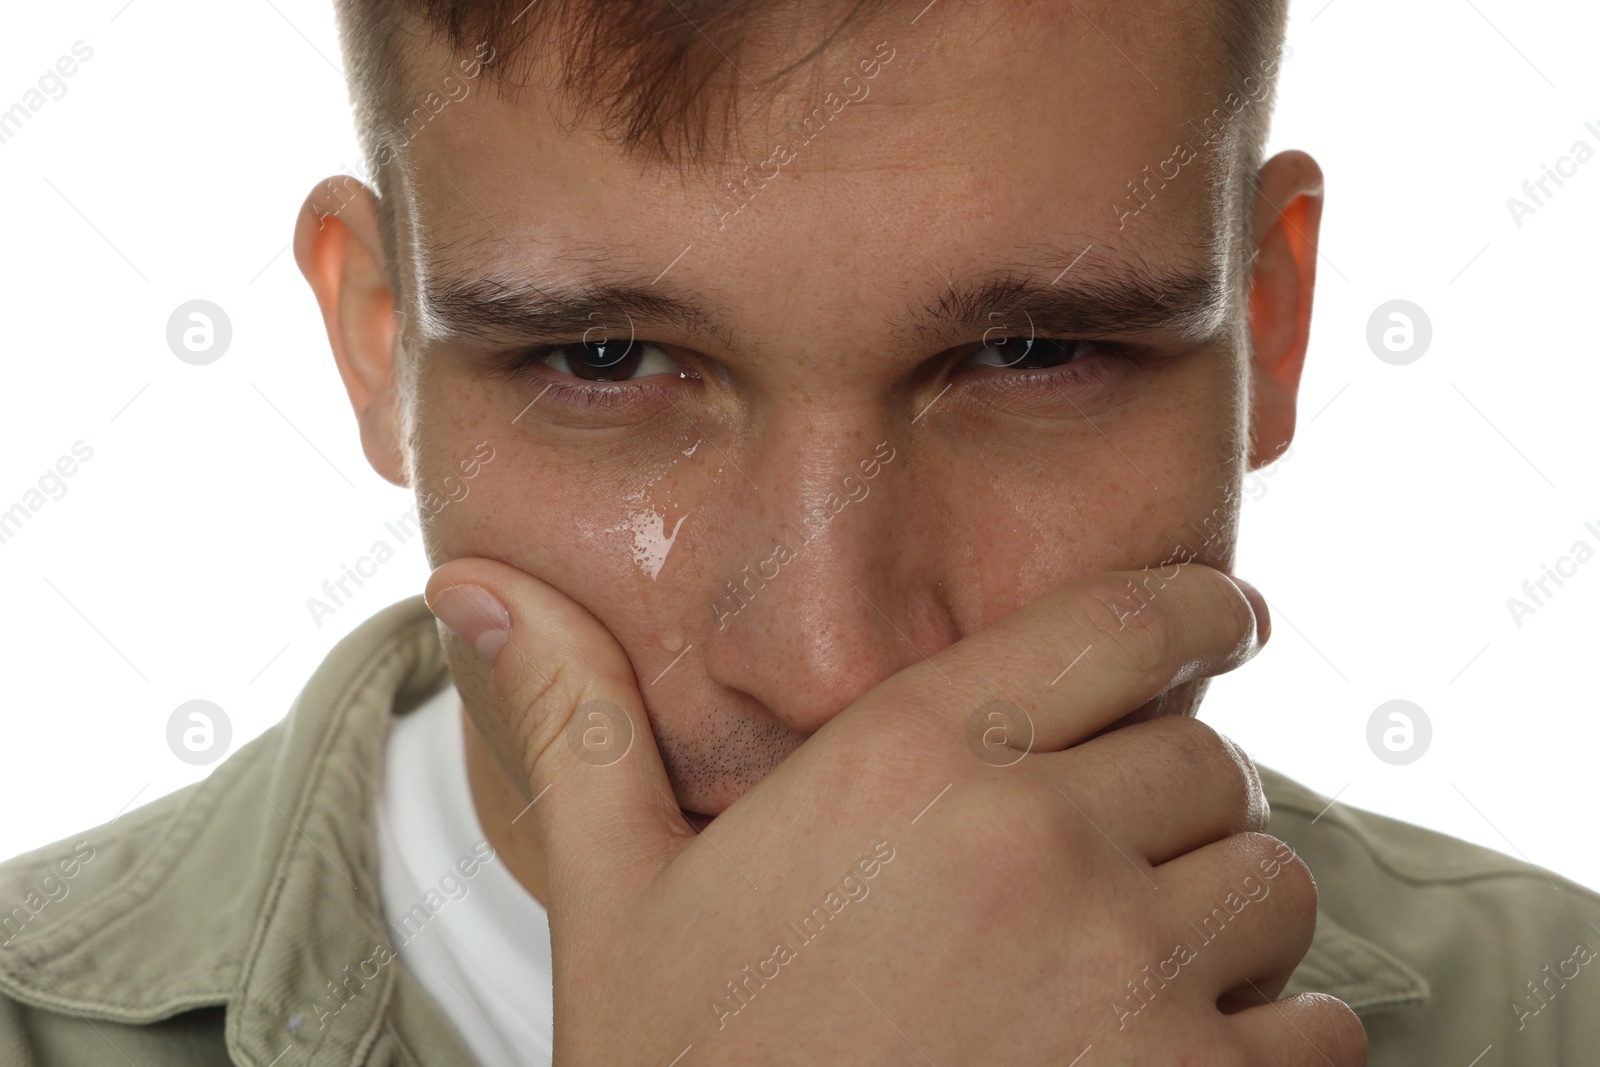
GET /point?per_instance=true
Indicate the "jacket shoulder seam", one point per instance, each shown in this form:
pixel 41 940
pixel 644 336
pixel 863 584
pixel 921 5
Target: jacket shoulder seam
pixel 1494 865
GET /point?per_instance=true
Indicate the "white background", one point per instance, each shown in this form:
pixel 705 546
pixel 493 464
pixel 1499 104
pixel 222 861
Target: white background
pixel 1415 501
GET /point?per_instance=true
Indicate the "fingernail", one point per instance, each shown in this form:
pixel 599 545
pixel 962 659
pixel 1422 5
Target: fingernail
pixel 477 617
pixel 1258 604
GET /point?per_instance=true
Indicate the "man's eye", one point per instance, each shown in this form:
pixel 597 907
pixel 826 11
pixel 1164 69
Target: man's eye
pixel 1028 353
pixel 609 361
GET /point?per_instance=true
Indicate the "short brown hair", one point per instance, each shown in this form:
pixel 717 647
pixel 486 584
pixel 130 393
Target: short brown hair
pixel 645 67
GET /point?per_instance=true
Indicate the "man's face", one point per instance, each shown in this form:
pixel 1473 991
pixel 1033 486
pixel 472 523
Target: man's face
pixel 848 456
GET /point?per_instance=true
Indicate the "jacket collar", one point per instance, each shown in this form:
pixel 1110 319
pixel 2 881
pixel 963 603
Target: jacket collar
pixel 159 926
pixel 1357 971
pixel 287 935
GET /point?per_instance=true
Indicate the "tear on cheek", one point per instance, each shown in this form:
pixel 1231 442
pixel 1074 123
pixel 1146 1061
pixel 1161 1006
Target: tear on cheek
pixel 652 541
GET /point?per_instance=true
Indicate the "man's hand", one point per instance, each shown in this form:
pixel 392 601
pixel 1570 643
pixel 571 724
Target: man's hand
pixel 933 876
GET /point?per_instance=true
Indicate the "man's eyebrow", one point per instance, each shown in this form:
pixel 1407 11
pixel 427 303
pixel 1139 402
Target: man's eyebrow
pixel 1086 303
pixel 511 310
pixel 1090 303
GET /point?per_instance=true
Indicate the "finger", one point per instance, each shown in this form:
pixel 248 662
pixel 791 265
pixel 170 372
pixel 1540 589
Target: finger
pixel 572 708
pixel 1162 788
pixel 1244 913
pixel 1305 1030
pixel 1081 656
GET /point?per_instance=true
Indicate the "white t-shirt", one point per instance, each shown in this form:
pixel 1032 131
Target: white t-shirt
pixel 478 942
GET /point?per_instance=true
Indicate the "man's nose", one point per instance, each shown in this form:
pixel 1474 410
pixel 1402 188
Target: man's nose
pixel 824 595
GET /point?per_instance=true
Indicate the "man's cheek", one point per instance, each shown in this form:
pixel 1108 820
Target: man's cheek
pixel 623 536
pixel 573 542
pixel 1040 529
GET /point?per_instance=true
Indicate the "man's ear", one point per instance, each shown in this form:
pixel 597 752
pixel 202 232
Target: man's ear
pixel 1288 217
pixel 337 247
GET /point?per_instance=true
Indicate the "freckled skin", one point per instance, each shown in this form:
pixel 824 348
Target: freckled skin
pixel 994 495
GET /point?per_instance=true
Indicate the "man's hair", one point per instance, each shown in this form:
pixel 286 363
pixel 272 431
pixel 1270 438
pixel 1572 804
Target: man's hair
pixel 662 76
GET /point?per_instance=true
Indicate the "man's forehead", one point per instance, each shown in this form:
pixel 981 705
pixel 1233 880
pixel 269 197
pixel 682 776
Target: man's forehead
pixel 962 71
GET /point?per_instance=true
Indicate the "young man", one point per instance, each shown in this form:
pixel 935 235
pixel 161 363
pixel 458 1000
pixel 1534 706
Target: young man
pixel 828 427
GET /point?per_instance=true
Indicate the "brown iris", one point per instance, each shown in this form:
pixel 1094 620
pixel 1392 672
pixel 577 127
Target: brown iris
pixel 603 361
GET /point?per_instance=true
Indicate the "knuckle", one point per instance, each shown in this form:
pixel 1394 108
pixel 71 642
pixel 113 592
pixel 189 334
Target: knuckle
pixel 1277 861
pixel 1060 821
pixel 1194 741
pixel 1047 829
pixel 1232 607
pixel 1257 809
pixel 545 700
pixel 1079 821
pixel 530 687
pixel 1009 843
pixel 1240 782
pixel 1193 750
pixel 1228 773
pixel 525 687
pixel 1126 617
pixel 1072 823
pixel 1349 1034
pixel 1338 1029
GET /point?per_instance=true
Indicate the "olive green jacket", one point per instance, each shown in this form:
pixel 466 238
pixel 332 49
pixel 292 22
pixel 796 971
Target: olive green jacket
pixel 236 920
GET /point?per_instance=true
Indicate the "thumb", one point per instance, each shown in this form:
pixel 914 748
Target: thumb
pixel 572 709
